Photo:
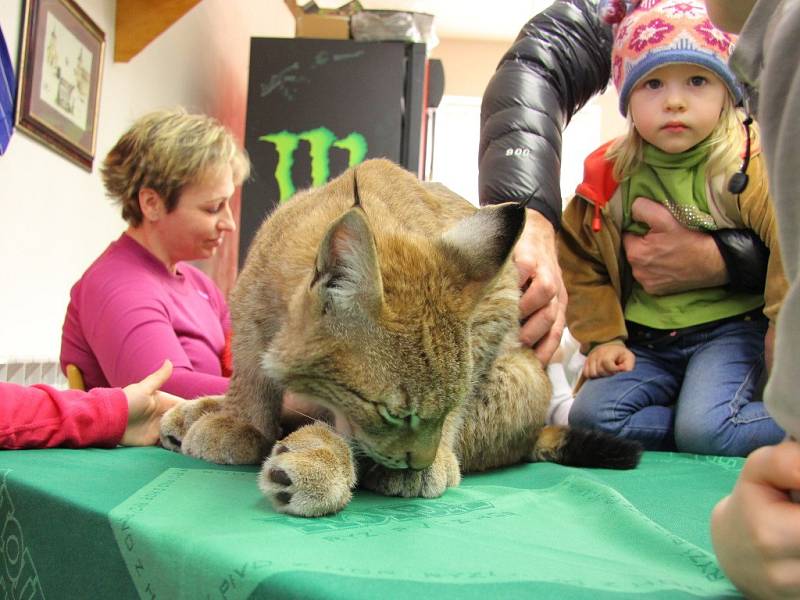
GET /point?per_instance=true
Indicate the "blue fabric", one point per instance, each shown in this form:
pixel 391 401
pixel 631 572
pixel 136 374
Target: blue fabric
pixel 7 87
pixel 694 393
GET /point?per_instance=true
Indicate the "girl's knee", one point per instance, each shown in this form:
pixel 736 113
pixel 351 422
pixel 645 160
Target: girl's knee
pixel 696 439
pixel 722 440
pixel 581 416
pixel 586 413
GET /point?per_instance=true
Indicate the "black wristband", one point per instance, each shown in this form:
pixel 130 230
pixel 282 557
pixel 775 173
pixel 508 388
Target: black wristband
pixel 745 257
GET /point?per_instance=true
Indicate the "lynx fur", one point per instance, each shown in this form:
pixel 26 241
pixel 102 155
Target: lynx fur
pixel 387 310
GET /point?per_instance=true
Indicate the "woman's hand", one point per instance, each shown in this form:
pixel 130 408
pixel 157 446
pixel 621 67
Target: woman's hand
pixel 756 530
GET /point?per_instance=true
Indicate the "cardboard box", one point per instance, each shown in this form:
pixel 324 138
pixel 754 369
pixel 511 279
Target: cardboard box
pixel 332 27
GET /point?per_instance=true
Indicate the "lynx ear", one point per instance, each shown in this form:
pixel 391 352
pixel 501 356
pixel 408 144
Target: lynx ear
pixel 347 276
pixel 481 243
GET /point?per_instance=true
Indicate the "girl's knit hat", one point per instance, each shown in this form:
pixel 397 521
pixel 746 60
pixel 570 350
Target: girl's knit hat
pixel 653 33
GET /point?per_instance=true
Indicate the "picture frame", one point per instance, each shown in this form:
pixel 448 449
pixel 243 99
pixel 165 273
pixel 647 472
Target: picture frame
pixel 60 76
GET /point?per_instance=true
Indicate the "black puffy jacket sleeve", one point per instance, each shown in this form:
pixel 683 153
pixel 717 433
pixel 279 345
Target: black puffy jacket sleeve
pixel 561 58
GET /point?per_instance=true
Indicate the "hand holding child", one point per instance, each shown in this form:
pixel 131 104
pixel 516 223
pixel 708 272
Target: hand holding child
pixel 671 258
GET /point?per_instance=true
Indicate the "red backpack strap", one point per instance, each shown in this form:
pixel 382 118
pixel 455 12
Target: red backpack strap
pixel 598 183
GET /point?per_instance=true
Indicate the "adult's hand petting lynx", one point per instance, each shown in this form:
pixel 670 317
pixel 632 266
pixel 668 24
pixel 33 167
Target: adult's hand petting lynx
pixel 388 308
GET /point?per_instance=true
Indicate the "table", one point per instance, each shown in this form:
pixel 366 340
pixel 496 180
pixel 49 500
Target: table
pixel 148 523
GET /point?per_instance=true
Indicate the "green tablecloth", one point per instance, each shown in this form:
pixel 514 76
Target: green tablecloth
pixel 144 522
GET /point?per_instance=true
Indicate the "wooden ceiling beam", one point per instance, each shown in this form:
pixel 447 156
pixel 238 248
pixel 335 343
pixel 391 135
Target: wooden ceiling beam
pixel 139 22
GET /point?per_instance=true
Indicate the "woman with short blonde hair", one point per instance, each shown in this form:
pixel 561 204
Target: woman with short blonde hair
pixel 173 174
pixel 165 151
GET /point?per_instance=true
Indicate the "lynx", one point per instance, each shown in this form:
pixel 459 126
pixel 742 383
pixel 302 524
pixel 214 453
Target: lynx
pixel 385 310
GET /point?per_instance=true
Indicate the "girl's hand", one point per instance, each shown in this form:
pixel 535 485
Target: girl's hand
pixel 146 405
pixel 608 359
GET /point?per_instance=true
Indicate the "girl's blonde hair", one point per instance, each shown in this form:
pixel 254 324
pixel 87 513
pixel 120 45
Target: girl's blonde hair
pixel 725 142
pixel 167 150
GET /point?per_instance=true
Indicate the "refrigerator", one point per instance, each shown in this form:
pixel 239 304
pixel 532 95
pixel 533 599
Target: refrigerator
pixel 316 107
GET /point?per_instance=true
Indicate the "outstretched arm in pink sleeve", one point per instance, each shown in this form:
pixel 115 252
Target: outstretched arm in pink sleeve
pixel 43 417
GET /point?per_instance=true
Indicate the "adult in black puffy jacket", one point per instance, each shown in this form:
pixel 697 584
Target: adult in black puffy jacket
pixel 561 58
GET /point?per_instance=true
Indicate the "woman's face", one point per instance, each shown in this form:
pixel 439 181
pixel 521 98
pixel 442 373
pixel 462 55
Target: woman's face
pixel 202 215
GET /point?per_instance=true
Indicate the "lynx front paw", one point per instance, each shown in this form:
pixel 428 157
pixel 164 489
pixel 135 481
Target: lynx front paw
pixel 202 429
pixel 310 473
pixel 427 483
pixel 177 420
pixel 224 439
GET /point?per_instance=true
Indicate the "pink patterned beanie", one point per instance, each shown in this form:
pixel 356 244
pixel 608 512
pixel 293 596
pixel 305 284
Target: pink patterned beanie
pixel 653 33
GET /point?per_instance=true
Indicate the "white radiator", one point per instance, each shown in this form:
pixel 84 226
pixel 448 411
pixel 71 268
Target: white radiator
pixel 29 372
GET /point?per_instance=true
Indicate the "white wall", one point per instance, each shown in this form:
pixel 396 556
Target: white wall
pixel 455 144
pixel 55 217
pixel 457 136
pixel 468 66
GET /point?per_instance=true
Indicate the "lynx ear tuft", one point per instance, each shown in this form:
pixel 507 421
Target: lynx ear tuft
pixel 356 196
pixel 347 275
pixel 481 243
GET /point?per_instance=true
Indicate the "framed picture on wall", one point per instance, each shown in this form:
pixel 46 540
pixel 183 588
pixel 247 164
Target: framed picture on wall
pixel 61 66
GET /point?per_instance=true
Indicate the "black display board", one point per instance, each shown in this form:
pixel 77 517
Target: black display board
pixel 316 107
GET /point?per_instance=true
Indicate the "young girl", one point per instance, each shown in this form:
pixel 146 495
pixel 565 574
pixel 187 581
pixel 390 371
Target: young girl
pixel 677 371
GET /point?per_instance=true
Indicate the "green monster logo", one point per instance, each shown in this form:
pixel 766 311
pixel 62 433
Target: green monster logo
pixel 320 140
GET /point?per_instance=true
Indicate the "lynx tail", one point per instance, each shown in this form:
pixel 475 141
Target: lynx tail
pixel 586 448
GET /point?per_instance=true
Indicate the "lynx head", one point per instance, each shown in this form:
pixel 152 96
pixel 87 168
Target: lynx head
pixel 380 331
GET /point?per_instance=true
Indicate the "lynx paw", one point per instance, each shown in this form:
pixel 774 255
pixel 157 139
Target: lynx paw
pixel 310 473
pixel 224 439
pixel 428 483
pixel 177 420
pixel 202 429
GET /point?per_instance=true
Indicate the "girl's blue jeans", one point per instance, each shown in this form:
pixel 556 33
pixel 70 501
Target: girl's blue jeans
pixel 697 393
